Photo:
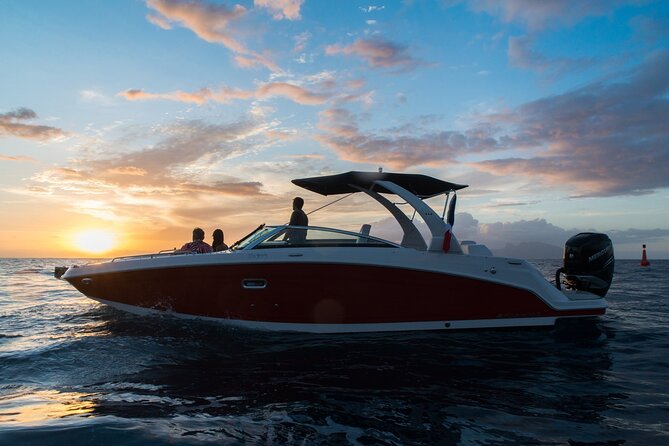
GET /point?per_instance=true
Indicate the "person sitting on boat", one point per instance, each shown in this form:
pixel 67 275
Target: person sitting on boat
pixel 297 218
pixel 219 243
pixel 198 245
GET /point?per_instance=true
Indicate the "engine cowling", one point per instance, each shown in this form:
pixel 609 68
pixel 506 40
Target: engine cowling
pixel 588 263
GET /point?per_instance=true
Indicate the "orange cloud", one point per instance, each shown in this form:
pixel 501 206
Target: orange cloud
pixel 127 170
pixel 18 158
pixel 160 184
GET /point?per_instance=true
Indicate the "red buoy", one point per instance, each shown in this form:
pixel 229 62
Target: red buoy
pixel 644 259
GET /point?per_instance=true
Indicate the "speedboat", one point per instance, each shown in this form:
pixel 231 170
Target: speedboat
pixel 330 280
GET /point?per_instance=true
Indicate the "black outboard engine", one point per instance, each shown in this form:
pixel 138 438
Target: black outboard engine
pixel 588 263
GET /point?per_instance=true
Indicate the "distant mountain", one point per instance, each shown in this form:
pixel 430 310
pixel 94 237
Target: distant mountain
pixel 530 250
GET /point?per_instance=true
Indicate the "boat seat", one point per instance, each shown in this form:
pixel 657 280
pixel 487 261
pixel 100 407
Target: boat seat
pixel 364 230
pixel 470 247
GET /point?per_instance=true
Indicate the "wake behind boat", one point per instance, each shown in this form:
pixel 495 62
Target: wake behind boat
pixel 334 281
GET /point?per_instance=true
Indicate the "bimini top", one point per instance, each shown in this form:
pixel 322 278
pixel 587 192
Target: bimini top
pixel 422 186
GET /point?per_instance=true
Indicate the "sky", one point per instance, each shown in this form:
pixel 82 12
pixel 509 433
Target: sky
pixel 144 119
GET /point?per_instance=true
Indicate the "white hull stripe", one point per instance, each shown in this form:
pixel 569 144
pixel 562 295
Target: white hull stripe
pixel 347 328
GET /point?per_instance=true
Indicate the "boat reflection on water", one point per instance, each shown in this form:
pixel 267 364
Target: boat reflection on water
pixel 206 382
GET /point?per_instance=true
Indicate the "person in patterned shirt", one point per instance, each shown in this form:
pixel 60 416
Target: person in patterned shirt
pixel 198 245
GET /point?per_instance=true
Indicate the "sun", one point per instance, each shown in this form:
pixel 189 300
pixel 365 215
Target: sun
pixel 95 241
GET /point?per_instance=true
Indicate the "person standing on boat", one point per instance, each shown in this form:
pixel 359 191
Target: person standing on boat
pixel 297 218
pixel 198 245
pixel 219 244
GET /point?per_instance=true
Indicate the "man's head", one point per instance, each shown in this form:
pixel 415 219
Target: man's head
pixel 198 234
pixel 298 202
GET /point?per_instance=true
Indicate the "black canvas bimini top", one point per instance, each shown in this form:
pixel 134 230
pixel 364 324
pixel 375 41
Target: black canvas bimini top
pixel 422 186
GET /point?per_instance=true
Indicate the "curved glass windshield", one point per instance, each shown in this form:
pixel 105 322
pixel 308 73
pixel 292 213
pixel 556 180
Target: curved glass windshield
pixel 259 234
pixel 297 236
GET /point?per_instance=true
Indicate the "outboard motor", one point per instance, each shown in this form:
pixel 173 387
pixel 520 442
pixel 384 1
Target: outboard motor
pixel 588 263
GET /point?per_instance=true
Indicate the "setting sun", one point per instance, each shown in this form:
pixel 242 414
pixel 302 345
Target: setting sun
pixel 95 241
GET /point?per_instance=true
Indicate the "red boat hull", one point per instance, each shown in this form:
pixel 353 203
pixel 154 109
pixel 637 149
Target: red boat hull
pixel 313 293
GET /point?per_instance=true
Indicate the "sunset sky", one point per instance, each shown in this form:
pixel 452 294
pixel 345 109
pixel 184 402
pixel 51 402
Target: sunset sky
pixel 143 119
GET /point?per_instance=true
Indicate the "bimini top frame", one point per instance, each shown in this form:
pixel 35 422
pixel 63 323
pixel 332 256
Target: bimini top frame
pixel 413 188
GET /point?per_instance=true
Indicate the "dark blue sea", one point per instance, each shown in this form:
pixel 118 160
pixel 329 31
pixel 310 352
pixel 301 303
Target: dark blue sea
pixel 75 372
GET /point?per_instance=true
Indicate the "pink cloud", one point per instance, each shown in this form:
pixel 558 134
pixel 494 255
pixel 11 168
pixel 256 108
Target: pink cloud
pixel 293 92
pixel 12 123
pixel 281 9
pixel 210 22
pixel 199 97
pixel 379 53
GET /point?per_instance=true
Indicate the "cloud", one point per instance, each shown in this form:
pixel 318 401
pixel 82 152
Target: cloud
pixel 498 235
pixel 522 54
pixel 199 97
pixel 407 146
pixel 224 94
pixel 301 41
pixel 290 91
pixel 494 235
pixel 307 156
pixel 95 97
pixel 210 22
pixel 378 53
pixel 12 123
pixel 184 144
pixel 281 9
pixel 19 158
pixel 607 138
pixel 183 168
pixel 127 170
pixel 371 8
pixel 546 13
pixel 638 236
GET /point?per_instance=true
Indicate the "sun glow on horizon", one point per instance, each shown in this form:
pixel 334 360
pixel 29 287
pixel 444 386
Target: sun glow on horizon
pixel 95 241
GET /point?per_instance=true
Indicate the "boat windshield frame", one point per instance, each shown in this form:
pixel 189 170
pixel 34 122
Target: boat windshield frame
pixel 269 232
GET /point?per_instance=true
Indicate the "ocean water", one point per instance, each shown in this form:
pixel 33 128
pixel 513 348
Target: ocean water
pixel 73 371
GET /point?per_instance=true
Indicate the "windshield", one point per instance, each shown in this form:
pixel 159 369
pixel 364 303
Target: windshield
pixel 312 237
pixel 260 233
